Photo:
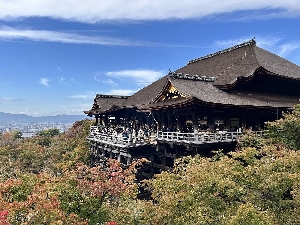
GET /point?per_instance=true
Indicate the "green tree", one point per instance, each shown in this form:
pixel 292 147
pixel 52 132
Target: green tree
pixel 287 129
pixel 17 135
pixel 49 133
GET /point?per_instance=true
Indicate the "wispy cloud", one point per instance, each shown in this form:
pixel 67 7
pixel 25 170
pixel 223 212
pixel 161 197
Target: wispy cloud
pixel 11 99
pixel 288 48
pixel 106 81
pixel 121 92
pixel 68 81
pixel 264 42
pixel 8 33
pixel 45 81
pixel 91 11
pixel 82 97
pixel 139 76
pixel 18 34
pixel 276 45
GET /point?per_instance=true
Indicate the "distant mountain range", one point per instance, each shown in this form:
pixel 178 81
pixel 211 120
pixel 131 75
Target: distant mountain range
pixel 22 118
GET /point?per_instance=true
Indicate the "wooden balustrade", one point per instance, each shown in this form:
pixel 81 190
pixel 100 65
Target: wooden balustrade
pixel 198 138
pixel 195 138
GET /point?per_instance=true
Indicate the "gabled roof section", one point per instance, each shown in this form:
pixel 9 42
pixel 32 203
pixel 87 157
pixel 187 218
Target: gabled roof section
pixel 169 92
pixel 276 64
pixel 106 103
pixel 147 94
pixel 239 61
pixel 251 42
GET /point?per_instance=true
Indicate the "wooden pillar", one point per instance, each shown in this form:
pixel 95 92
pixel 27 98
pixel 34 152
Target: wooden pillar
pixel 159 124
pixel 152 166
pixel 169 120
pixel 244 122
pixel 163 160
pixel 210 121
pixel 178 121
pixel 227 121
pixel 195 121
pixel 258 122
pixel 100 119
pixel 106 120
pixel 117 120
pixel 128 160
pixel 163 122
pixel 148 120
pixel 97 120
pixel 119 156
pixel 178 152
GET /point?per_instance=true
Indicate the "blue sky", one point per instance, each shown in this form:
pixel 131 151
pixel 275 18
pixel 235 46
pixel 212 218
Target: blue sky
pixel 56 55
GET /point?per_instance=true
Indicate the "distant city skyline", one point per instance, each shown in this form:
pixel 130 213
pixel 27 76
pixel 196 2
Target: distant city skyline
pixel 55 55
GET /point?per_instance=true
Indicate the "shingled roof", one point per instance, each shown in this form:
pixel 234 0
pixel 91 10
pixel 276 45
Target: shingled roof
pixel 204 80
pixel 106 103
pixel 208 93
pixel 240 61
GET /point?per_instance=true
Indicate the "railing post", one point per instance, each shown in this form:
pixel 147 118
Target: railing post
pixel 196 135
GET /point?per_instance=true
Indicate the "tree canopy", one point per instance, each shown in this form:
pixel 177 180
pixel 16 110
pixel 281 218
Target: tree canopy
pixel 46 180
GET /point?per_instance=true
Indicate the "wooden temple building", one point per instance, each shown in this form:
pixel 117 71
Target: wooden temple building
pixel 205 104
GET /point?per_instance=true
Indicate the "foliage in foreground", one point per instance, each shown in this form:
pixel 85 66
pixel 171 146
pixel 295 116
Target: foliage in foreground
pixel 287 129
pixel 44 180
pixel 259 183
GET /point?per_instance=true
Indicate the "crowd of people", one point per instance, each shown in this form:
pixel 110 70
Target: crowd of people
pixel 131 132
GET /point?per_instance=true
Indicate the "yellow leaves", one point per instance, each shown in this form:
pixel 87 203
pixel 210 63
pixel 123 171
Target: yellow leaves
pixel 248 214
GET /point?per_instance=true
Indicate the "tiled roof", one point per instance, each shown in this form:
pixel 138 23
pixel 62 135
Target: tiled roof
pixel 240 61
pixel 206 78
pixel 251 42
pixel 106 103
pixel 207 92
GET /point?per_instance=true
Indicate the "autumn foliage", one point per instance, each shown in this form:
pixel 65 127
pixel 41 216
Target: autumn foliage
pixel 46 180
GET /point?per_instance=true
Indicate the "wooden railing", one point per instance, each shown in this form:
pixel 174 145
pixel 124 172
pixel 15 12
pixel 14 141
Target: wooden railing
pixel 202 137
pixel 96 134
pixel 196 138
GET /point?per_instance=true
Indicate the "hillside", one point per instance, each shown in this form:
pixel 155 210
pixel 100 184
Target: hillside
pixel 22 118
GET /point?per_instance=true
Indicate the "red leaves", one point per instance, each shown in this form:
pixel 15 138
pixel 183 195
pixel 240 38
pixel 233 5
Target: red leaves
pixel 111 223
pixel 99 181
pixel 3 217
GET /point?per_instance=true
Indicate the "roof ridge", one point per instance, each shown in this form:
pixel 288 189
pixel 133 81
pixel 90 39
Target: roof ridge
pixel 194 77
pixel 112 96
pixel 251 42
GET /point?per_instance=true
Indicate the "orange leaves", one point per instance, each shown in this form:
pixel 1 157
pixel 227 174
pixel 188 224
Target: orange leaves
pixel 100 182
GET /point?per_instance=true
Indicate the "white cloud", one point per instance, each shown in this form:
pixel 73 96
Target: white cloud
pixel 93 11
pixel 83 97
pixel 107 81
pixel 277 45
pixel 11 99
pixel 288 48
pixel 140 76
pixel 45 81
pixel 121 92
pixel 263 42
pixel 9 33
